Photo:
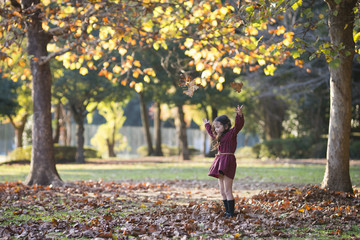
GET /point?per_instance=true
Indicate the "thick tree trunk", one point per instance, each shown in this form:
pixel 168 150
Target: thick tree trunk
pixel 157 129
pixel 42 167
pixel 337 176
pixel 146 125
pixel 181 132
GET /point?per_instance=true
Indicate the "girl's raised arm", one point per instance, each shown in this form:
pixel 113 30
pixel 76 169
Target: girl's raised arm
pixel 208 127
pixel 239 120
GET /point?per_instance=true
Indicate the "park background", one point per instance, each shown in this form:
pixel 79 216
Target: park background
pixel 294 65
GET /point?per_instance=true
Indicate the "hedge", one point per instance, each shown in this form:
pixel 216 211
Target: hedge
pixel 305 147
pixel 63 154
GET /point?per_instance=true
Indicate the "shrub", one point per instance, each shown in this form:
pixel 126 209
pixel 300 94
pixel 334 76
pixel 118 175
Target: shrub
pixel 305 147
pixel 20 155
pixel 62 154
pixel 245 152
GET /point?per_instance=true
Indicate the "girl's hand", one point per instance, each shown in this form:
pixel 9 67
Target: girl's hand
pixel 238 110
pixel 205 120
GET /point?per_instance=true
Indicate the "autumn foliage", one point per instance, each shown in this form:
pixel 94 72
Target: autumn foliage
pixel 119 210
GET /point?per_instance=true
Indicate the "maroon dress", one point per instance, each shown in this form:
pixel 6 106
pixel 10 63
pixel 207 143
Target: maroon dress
pixel 225 161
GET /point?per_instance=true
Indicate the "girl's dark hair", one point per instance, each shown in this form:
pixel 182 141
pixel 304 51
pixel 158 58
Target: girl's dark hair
pixel 225 121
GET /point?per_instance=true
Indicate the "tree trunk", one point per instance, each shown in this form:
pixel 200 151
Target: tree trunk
pixel 337 175
pixel 42 168
pixel 157 129
pixel 19 129
pixel 111 142
pixel 205 132
pixel 66 114
pixel 146 125
pixel 80 143
pixel 181 132
pixel 79 119
pixel 274 115
pixel 214 113
pixel 18 136
pixel 57 117
pixel 110 146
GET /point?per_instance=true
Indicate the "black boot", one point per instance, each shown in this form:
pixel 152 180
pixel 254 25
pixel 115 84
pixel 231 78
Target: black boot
pixel 226 207
pixel 231 208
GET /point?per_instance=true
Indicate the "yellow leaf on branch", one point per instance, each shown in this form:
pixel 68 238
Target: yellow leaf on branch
pixel 139 87
pixel 83 71
pixel 137 63
pixel 122 51
pixel 270 69
pixel 116 69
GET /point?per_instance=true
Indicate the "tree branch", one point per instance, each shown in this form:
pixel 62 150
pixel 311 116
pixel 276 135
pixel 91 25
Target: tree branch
pixel 46 59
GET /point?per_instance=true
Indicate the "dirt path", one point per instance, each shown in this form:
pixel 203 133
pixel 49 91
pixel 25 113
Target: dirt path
pixel 206 190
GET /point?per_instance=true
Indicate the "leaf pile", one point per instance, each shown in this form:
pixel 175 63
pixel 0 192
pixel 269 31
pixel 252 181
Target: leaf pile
pixel 120 210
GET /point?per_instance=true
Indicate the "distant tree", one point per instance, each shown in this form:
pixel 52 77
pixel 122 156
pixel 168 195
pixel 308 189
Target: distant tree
pixel 79 92
pixel 8 95
pixel 20 117
pixel 108 139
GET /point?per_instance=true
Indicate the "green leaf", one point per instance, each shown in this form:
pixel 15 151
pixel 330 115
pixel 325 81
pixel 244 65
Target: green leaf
pixel 312 57
pixel 338 1
pixel 295 54
pixel 249 9
pixel 296 5
pixel 335 13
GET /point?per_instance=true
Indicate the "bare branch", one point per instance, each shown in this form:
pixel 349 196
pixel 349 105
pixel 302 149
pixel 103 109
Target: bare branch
pixel 46 59
pixel 58 31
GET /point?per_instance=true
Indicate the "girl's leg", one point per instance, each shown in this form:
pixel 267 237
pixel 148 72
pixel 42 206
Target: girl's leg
pixel 228 182
pixel 222 192
pixel 222 187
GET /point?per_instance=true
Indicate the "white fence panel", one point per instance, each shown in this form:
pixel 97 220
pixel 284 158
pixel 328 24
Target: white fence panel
pixel 134 135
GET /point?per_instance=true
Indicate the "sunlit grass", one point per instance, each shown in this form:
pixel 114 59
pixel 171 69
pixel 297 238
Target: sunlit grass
pixel 256 172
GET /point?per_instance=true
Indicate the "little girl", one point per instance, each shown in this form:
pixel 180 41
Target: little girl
pixel 224 165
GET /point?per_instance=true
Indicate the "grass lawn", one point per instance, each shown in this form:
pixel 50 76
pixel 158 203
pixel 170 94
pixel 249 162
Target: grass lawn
pixel 182 170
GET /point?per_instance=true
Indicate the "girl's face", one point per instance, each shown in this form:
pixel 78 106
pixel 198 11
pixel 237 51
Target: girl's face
pixel 219 128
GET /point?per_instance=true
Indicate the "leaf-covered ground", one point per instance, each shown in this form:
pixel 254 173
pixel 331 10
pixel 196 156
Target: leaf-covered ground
pixel 123 210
